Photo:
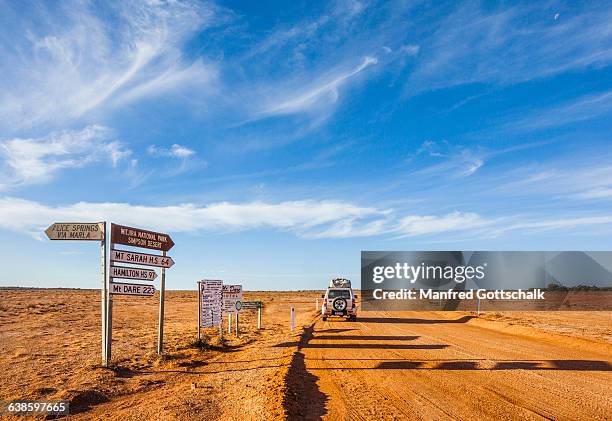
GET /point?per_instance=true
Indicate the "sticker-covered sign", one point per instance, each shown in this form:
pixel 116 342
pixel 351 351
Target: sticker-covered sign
pixel 232 298
pixel 210 302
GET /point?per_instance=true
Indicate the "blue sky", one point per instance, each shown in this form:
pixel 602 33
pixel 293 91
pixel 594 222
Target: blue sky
pixel 276 141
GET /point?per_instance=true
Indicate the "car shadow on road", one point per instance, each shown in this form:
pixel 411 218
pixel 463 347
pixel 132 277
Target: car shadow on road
pixel 365 346
pixel 463 319
pixel 303 400
pixel 368 338
pixel 548 365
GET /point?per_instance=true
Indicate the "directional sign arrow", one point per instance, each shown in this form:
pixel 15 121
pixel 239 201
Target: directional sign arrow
pixel 76 231
pixel 137 237
pixel 120 288
pixel 132 273
pixel 146 259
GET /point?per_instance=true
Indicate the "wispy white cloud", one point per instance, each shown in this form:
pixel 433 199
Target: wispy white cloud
pixel 306 218
pixel 73 60
pixel 175 151
pixel 436 157
pixel 413 225
pixel 34 161
pixel 510 45
pixel 302 217
pixel 583 108
pixel 322 93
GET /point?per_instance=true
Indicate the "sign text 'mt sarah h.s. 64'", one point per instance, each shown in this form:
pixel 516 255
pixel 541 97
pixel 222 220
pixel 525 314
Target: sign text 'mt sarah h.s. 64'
pixel 124 256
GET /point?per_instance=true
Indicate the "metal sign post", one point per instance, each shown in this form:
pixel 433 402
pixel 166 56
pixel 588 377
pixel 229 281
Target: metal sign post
pixel 199 311
pixel 162 289
pixel 229 323
pixel 237 329
pixel 87 231
pixel 109 321
pixel 103 296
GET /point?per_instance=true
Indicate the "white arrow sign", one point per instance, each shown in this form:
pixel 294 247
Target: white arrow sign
pixel 146 259
pixel 76 231
pixel 118 288
pixel 132 273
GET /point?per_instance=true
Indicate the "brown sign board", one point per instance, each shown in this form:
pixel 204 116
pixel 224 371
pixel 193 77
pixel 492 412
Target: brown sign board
pixel 120 288
pixel 137 237
pixel 76 231
pixel 132 273
pixel 124 256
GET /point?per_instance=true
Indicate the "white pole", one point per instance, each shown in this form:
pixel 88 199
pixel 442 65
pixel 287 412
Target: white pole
pixel 258 318
pixel 103 294
pixel 292 319
pixel 229 322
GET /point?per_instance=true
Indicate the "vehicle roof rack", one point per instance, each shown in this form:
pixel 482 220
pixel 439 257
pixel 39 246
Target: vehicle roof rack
pixel 340 283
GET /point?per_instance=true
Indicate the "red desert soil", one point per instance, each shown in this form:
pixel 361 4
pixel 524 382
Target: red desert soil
pixel 387 365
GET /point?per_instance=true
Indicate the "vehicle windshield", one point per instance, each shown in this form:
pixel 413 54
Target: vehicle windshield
pixel 336 293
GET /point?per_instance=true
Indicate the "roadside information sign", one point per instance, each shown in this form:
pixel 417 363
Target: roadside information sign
pixel 232 298
pixel 137 237
pixel 124 256
pixel 119 288
pixel 132 273
pixel 210 302
pixel 76 231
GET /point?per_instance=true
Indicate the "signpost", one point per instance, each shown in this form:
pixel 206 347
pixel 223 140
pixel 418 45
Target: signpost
pixel 124 256
pixel 246 305
pixel 88 231
pixel 211 293
pixel 132 273
pixel 136 237
pixel 119 288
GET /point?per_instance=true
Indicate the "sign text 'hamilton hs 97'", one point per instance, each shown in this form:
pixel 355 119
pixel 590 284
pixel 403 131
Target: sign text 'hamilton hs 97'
pixel 132 273
pixel 137 237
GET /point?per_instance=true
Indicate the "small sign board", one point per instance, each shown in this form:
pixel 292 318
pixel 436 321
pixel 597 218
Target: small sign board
pixel 124 256
pixel 120 288
pixel 232 298
pixel 210 302
pixel 76 231
pixel 132 273
pixel 137 237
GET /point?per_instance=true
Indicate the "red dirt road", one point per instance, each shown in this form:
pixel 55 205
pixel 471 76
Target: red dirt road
pixel 434 365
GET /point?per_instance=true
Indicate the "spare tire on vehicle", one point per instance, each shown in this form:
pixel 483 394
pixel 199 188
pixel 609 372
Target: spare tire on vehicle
pixel 339 304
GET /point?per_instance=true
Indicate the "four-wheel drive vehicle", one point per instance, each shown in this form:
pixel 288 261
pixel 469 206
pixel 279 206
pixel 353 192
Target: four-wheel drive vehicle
pixel 339 300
